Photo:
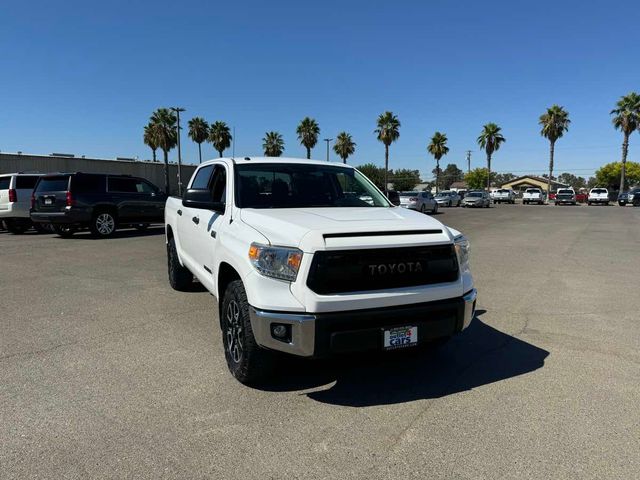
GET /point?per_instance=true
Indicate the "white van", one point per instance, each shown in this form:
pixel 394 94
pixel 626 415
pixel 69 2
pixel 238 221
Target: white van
pixel 15 200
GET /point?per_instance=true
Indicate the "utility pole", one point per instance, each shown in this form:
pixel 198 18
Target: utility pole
pixel 328 140
pixel 178 110
pixel 468 161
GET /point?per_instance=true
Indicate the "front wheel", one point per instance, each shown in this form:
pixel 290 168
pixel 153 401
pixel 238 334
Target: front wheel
pixel 103 224
pixel 249 363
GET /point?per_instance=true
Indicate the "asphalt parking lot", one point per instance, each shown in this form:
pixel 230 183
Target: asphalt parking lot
pixel 105 372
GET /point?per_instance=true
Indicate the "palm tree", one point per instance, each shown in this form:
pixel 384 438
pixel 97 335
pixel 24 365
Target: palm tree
pixel 388 131
pixel 150 139
pixel 308 132
pixel 344 146
pixel 273 144
pixel 438 148
pixel 198 132
pixel 490 140
pixel 165 131
pixel 626 119
pixel 220 136
pixel 554 122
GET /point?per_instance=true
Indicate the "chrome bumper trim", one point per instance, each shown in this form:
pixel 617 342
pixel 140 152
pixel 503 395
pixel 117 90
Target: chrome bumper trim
pixel 303 331
pixel 469 307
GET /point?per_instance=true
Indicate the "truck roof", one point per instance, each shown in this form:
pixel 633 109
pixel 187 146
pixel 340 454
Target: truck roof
pixel 248 160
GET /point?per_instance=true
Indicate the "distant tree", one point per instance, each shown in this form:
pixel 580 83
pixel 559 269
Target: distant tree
pixel 308 132
pixel 150 140
pixel 450 175
pixel 344 146
pixel 477 178
pixel 572 180
pixel 273 144
pixel 490 140
pixel 405 180
pixel 608 175
pixel 165 131
pixel 438 148
pixel 592 182
pixel 373 173
pixel 502 178
pixel 388 131
pixel 627 120
pixel 220 136
pixel 554 122
pixel 198 132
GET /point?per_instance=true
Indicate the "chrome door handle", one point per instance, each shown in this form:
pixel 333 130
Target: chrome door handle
pixel 195 220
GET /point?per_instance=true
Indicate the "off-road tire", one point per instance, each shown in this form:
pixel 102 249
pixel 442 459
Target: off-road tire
pixel 249 363
pixel 180 278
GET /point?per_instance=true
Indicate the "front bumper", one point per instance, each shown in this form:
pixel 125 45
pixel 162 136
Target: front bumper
pixel 325 334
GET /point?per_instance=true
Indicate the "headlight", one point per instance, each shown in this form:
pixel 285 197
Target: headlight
pixel 462 249
pixel 276 262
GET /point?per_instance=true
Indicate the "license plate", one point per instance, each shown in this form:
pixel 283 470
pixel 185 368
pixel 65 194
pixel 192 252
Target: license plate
pixel 48 201
pixel 400 337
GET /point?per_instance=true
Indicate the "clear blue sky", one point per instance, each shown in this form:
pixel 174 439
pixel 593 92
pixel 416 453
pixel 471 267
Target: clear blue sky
pixel 83 77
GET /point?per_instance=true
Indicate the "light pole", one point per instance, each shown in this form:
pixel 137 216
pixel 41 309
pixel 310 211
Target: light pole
pixel 328 140
pixel 178 110
pixel 468 161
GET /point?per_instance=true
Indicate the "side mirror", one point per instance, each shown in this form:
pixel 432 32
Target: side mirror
pixel 201 199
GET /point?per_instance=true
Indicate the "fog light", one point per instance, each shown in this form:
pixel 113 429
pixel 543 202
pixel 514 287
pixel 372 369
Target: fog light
pixel 281 332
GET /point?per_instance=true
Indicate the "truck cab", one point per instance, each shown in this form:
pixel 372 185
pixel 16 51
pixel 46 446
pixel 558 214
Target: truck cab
pixel 311 259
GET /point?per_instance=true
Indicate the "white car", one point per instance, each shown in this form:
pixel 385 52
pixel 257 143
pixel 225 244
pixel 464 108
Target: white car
pixel 448 199
pixel 301 264
pixel 533 195
pixel 15 200
pixel 504 195
pixel 598 196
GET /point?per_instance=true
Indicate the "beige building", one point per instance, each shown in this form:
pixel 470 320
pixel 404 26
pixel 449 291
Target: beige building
pixel 520 184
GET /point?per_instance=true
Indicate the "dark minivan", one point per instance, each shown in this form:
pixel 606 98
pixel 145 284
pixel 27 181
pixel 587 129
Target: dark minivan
pixel 69 201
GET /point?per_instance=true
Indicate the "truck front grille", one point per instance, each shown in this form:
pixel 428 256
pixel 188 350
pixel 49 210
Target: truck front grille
pixel 379 269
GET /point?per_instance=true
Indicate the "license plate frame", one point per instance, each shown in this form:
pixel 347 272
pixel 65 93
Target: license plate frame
pixel 395 338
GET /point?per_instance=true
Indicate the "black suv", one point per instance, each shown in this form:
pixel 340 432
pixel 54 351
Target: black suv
pixel 101 202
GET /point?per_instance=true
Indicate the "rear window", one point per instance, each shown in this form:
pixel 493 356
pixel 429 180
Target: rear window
pixel 4 183
pixel 409 194
pixel 503 191
pixel 561 191
pixel 532 190
pixel 26 182
pixel 599 190
pixel 53 184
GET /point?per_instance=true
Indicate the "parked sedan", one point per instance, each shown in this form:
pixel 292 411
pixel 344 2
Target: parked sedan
pixel 448 199
pixel 420 201
pixel 476 198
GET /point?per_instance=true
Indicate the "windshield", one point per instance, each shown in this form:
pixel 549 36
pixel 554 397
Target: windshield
pixel 475 194
pixel 295 185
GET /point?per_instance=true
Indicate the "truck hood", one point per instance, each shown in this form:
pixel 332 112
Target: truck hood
pixel 312 229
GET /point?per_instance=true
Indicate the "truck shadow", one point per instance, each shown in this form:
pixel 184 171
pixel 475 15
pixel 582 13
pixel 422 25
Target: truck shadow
pixel 479 356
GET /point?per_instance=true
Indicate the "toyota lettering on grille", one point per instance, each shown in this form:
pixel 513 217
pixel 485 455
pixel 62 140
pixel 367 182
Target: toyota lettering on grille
pixel 382 269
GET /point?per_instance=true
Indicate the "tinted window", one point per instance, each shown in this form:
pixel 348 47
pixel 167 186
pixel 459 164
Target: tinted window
pixel 599 190
pixel 4 183
pixel 123 185
pixel 201 180
pixel 53 184
pixel 219 184
pixel 88 183
pixel 26 182
pixel 409 194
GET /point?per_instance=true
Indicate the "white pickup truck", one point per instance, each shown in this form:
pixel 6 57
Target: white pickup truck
pixel 533 195
pixel 311 259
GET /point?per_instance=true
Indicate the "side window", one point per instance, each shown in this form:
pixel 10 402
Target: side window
pixel 201 180
pixel 88 183
pixel 144 187
pixel 424 195
pixel 122 185
pixel 26 182
pixel 5 182
pixel 219 184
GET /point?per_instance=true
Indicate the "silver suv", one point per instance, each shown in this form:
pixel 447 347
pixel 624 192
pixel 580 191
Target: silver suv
pixel 15 200
pixel 420 201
